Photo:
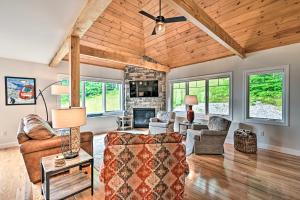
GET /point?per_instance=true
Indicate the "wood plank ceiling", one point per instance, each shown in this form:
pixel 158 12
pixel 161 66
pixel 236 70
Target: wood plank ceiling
pixel 254 24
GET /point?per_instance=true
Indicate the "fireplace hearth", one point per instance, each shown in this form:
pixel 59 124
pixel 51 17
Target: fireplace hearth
pixel 141 117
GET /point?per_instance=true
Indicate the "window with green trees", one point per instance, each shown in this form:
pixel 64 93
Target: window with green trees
pixel 93 97
pixel 219 96
pixel 266 95
pixel 178 94
pixel 198 88
pixel 213 93
pixel 97 96
pixel 113 96
pixel 65 99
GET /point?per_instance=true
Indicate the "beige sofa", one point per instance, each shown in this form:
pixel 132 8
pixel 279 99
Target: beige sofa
pixel 33 150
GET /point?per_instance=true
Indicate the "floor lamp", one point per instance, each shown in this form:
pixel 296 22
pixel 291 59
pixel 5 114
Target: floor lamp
pixel 56 89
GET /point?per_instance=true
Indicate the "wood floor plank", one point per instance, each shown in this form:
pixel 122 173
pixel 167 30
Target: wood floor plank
pixel 233 176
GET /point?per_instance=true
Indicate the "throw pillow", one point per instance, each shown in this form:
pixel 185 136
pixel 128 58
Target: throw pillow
pixel 218 124
pixel 36 128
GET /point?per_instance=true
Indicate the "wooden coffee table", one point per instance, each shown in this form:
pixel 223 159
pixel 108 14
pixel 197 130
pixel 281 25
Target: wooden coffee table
pixel 55 186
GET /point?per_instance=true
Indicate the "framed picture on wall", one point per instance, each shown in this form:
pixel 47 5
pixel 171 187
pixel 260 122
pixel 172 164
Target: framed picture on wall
pixel 20 91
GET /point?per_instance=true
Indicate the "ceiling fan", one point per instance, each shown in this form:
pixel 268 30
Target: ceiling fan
pixel 161 20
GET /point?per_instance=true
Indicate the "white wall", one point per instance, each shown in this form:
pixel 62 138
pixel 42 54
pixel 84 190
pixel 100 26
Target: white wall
pixel 278 138
pixel 11 115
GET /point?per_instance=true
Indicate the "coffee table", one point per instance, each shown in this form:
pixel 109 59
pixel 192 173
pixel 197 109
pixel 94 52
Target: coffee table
pixel 56 185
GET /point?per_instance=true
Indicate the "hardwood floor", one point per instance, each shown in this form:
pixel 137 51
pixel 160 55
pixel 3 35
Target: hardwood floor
pixel 267 175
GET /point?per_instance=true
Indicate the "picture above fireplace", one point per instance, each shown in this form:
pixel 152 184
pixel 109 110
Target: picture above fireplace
pixel 143 88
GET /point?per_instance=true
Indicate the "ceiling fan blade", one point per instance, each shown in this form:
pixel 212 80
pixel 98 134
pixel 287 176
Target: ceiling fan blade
pixel 147 15
pixel 175 19
pixel 153 32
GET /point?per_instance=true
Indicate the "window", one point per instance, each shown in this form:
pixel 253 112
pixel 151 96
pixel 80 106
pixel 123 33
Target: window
pixel 178 94
pixel 198 88
pixel 97 96
pixel 267 95
pixel 213 93
pixel 65 99
pixel 93 97
pixel 113 96
pixel 219 95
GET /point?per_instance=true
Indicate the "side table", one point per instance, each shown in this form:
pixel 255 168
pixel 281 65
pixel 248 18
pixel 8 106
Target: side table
pixel 186 124
pixel 64 186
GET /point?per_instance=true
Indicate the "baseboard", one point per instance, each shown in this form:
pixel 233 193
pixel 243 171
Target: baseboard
pixel 279 149
pixel 8 145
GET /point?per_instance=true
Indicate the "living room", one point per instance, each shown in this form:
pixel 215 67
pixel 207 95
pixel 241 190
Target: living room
pixel 245 73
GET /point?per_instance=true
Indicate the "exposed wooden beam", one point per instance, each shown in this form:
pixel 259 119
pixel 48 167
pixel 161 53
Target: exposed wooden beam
pixel 199 18
pixel 119 58
pixel 89 14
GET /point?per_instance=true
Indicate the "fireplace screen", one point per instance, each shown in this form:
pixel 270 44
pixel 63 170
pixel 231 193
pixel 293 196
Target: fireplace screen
pixel 141 117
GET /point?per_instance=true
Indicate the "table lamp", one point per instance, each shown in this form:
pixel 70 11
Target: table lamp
pixel 190 100
pixel 71 118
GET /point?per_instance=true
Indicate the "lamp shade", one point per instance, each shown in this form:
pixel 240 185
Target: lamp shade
pixel 59 89
pixel 191 100
pixel 68 118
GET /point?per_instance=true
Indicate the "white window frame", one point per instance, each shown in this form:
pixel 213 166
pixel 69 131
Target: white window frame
pixel 285 97
pixel 206 78
pixel 104 81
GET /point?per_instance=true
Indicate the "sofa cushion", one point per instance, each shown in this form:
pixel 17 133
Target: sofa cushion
pixel 122 138
pixel 36 128
pixel 218 124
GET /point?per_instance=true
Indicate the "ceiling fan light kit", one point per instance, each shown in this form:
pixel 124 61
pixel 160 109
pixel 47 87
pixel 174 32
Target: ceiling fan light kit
pixel 161 21
pixel 160 28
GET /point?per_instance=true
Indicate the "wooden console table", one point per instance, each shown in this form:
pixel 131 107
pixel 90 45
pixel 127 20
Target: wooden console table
pixel 66 185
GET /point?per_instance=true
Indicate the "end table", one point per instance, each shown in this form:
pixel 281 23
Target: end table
pixel 186 124
pixel 55 186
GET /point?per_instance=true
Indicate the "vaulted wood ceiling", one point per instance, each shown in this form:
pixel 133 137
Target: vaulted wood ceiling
pixel 253 24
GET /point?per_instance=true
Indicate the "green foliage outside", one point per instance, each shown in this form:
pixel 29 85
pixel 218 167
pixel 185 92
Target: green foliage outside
pixel 266 88
pixel 218 91
pixel 93 97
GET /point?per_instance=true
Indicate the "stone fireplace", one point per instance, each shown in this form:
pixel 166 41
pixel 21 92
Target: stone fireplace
pixel 133 73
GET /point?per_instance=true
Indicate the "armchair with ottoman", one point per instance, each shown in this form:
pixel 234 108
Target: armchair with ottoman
pixel 208 139
pixel 163 123
pixel 37 139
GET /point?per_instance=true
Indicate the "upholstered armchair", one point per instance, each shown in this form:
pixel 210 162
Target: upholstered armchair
pixel 140 166
pixel 163 123
pixel 208 139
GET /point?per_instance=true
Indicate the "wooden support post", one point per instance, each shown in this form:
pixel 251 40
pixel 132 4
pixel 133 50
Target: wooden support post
pixel 74 60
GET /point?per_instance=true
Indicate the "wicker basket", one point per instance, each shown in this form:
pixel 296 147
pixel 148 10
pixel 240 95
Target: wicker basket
pixel 245 141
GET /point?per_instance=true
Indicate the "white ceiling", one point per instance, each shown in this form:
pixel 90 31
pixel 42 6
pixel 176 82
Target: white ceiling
pixel 33 30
